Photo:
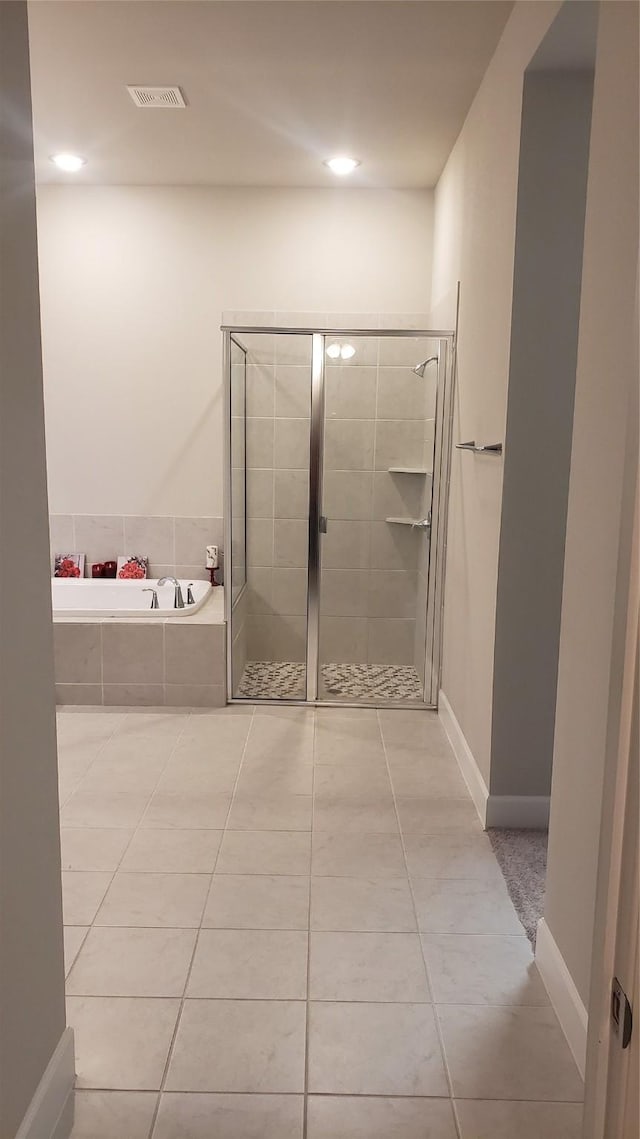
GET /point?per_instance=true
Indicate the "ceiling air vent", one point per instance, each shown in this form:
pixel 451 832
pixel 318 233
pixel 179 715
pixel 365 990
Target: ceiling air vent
pixel 161 97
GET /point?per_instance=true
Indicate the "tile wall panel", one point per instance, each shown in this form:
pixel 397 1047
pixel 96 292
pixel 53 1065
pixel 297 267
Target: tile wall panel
pixel 178 663
pixel 278 425
pixel 378 414
pixel 173 545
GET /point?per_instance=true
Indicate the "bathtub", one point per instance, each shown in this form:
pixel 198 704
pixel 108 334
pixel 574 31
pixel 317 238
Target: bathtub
pixel 108 597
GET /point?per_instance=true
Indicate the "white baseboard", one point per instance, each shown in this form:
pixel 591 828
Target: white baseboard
pixel 471 773
pixel 518 811
pixel 49 1115
pixel 564 996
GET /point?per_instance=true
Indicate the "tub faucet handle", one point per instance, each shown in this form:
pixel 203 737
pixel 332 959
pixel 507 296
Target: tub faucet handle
pixel 178 599
pixel 154 597
pixel 190 598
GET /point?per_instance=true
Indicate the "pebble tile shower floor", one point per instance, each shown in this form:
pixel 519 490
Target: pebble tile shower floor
pixel 287 923
pixel 285 680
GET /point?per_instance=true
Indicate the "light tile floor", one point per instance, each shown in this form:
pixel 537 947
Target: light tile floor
pixel 285 923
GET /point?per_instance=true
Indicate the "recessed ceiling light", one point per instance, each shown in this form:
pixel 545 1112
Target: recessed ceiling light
pixel 333 351
pixel 347 351
pixel 71 163
pixel 342 165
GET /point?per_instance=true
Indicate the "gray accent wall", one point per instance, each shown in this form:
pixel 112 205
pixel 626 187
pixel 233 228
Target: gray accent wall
pixel 32 1013
pixel 552 186
pixel 474 240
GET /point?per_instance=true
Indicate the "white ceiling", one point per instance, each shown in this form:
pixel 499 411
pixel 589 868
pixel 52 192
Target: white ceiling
pixel 273 87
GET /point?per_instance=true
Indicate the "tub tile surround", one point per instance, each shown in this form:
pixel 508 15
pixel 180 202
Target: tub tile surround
pixel 208 953
pixel 175 546
pixel 169 662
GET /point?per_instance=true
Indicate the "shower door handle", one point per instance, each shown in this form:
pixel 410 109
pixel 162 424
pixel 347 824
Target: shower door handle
pixel 322 523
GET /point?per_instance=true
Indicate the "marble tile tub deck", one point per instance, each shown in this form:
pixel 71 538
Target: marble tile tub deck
pixel 283 923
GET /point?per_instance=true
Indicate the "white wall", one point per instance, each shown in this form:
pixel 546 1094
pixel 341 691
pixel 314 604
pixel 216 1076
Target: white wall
pixel 32 1016
pixel 133 284
pixel 474 242
pixel 599 512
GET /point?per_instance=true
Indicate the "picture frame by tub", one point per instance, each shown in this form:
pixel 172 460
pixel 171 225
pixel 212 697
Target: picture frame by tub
pixel 132 567
pixel 68 565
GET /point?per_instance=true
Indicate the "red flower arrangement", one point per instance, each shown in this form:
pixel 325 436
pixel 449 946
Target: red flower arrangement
pixel 68 569
pixel 133 569
pixel 69 565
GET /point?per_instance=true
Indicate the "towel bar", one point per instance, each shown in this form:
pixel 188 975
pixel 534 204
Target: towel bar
pixel 480 448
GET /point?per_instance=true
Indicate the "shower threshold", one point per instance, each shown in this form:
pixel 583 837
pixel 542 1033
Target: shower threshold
pixel 286 680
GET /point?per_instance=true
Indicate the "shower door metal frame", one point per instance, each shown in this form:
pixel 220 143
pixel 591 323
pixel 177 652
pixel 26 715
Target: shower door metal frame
pixel 439 509
pixel 228 472
pixel 316 454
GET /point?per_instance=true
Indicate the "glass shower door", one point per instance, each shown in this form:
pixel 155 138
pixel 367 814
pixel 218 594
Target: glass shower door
pixel 378 459
pixel 238 366
pixel 269 638
pixel 339 458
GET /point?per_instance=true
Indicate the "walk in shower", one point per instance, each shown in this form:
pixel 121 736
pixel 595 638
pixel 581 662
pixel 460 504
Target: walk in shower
pixel 338 446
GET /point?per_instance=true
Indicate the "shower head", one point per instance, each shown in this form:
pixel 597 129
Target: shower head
pixel 420 368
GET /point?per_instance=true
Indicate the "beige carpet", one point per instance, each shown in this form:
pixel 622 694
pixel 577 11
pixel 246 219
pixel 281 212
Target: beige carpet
pixel 522 855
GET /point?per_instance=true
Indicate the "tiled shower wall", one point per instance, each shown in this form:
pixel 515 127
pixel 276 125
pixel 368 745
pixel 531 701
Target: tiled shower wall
pixel 378 414
pixel 174 546
pixel 278 410
pixel 376 417
pixel 422 590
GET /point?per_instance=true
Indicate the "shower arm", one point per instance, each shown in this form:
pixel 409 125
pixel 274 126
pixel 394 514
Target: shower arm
pixel 419 369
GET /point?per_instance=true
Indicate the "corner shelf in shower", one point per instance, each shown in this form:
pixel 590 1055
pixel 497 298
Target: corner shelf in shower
pixel 409 471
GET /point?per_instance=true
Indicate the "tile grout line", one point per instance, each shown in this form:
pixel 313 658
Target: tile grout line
pixel 436 1005
pixel 183 999
pixel 138 825
pixel 305 1100
pixel 436 1021
pixel 101 626
pixel 273 477
pixel 101 748
pixel 163 626
pixel 134 831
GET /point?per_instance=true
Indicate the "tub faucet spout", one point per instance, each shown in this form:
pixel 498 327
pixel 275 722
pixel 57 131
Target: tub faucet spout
pixel 178 600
